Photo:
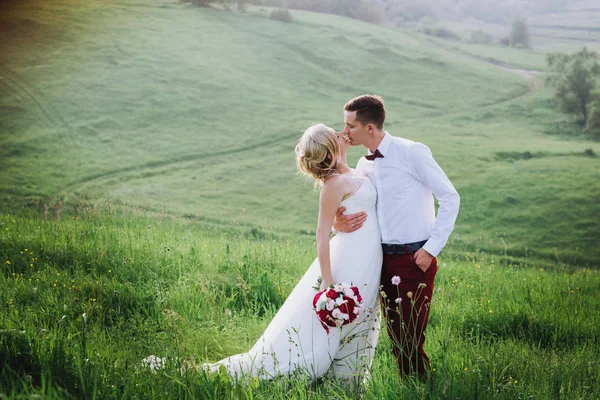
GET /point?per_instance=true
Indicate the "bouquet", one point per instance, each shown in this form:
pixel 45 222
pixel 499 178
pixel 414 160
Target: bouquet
pixel 337 305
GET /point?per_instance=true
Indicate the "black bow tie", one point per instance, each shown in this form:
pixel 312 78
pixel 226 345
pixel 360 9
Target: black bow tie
pixel 375 155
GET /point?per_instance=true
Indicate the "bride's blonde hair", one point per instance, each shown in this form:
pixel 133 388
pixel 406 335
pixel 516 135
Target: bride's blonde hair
pixel 313 150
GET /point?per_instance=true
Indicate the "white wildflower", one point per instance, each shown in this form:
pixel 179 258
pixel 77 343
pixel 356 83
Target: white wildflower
pixel 154 363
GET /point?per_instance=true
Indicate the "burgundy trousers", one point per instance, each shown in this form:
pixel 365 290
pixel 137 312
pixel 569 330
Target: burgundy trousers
pixel 406 319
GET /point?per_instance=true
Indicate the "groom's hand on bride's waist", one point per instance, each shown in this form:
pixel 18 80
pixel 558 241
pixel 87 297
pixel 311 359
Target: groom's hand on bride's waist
pixel 348 223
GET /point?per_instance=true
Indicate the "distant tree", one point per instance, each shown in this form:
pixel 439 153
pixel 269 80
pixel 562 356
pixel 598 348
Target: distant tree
pixel 575 77
pixel 593 120
pixel 519 33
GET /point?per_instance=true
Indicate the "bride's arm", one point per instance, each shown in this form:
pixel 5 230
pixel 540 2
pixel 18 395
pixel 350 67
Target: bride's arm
pixel 331 196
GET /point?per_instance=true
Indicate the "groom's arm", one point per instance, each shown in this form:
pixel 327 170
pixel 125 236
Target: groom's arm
pixel 431 175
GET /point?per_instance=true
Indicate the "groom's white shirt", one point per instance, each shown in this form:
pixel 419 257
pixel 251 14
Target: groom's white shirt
pixel 405 179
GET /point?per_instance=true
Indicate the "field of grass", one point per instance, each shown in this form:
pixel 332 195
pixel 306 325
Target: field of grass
pixel 86 299
pixel 148 181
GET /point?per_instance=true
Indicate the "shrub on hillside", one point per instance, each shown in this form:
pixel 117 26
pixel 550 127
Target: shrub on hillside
pixel 481 37
pixel 442 33
pixel 282 14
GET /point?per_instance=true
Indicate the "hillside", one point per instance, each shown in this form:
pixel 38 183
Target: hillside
pixel 195 112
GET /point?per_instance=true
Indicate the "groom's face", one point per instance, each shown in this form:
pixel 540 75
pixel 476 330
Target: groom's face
pixel 355 130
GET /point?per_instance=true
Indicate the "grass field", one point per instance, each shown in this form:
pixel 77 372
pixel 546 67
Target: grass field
pixel 151 285
pixel 147 179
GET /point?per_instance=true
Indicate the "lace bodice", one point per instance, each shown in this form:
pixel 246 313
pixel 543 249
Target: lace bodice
pixel 364 198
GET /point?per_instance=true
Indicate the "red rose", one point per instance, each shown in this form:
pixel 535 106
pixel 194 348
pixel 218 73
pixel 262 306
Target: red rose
pixel 332 294
pixel 350 300
pixel 351 304
pixel 354 290
pixel 343 308
pixel 316 299
pixel 323 314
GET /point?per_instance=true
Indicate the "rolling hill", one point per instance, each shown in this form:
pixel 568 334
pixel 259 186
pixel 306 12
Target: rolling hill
pixel 195 112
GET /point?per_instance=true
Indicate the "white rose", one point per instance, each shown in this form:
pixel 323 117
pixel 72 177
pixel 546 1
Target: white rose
pixel 330 305
pixel 336 313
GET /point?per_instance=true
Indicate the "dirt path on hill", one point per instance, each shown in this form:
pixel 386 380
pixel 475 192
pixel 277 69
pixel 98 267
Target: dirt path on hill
pixel 534 77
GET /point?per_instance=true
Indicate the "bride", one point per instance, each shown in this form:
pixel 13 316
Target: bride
pixel 295 342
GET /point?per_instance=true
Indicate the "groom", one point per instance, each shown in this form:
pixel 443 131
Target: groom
pixel 406 177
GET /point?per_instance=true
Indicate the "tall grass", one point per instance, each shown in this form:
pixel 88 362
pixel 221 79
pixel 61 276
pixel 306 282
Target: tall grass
pixel 87 298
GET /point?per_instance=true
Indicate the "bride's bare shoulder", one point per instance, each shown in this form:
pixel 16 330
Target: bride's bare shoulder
pixel 333 181
pixel 338 187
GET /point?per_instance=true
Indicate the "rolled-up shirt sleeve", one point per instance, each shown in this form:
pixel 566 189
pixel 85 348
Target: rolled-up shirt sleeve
pixel 427 170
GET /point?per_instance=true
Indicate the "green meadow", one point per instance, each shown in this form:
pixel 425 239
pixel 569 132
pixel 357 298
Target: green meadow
pixel 148 182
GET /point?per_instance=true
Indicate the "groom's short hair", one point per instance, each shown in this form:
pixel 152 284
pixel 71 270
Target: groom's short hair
pixel 369 109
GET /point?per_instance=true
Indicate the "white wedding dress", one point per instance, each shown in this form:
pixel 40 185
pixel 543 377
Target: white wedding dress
pixel 295 342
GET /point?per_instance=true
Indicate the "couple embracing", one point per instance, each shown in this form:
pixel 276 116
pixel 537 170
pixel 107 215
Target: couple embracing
pixel 386 241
